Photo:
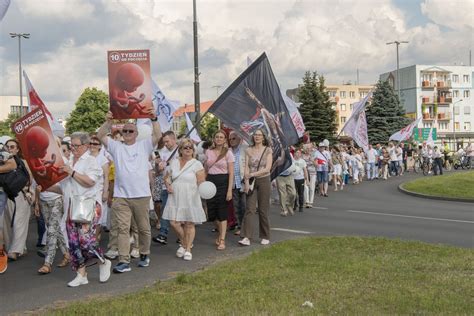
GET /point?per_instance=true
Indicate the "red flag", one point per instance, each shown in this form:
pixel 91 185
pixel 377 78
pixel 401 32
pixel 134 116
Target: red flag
pixel 34 102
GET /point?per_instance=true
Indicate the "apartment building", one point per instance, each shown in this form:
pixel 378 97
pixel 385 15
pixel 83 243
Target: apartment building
pixel 441 96
pixel 11 104
pixel 178 116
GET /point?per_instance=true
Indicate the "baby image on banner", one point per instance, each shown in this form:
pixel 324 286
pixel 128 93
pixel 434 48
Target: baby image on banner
pixel 130 83
pixel 39 148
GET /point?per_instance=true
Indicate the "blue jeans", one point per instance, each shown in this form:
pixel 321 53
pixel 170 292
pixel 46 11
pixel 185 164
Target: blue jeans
pixel 3 202
pixel 394 166
pixel 371 170
pixel 164 223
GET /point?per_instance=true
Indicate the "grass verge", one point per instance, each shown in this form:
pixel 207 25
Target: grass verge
pixel 347 275
pixel 453 185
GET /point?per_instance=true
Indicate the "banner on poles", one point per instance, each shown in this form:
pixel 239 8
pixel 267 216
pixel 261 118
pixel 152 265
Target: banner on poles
pixel 254 101
pixel 39 148
pixel 130 91
pixel 406 132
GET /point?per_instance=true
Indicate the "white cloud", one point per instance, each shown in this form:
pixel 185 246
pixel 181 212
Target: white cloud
pixel 455 14
pixel 59 9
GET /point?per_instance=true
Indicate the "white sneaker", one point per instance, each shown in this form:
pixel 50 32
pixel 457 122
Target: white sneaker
pixel 188 256
pixel 79 280
pixel 265 242
pixel 111 254
pixel 180 252
pixel 104 271
pixel 135 253
pixel 244 242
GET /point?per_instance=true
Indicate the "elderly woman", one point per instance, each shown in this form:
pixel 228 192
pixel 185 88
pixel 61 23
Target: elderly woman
pixel 184 208
pixel 83 181
pixel 258 164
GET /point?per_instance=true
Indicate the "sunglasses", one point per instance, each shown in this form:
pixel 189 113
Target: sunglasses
pixel 128 131
pixel 95 144
pixel 188 147
pixel 75 146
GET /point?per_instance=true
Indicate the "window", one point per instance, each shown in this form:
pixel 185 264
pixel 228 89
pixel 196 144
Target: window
pixel 456 110
pixel 465 78
pixel 427 77
pixel 455 78
pixel 363 94
pixel 456 93
pixel 443 126
pixel 467 110
pixel 456 126
pixel 466 93
pixel 343 119
pixel 342 94
pixel 427 125
pixel 343 107
pixel 332 93
pixel 467 126
pixel 351 107
pixel 16 109
pixel 352 94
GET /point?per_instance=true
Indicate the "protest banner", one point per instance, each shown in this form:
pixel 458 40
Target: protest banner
pixel 130 92
pixel 39 148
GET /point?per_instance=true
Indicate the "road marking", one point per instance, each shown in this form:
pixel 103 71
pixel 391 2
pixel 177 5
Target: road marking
pixel 320 207
pixel 291 231
pixel 409 216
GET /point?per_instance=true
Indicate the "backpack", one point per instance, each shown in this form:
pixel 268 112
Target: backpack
pixel 14 181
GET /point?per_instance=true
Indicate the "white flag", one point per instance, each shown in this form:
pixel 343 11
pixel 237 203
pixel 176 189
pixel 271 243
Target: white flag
pixel 194 135
pixel 430 140
pixel 4 4
pixel 295 115
pixel 357 107
pixel 164 109
pixel 34 101
pixel 360 135
pixel 406 132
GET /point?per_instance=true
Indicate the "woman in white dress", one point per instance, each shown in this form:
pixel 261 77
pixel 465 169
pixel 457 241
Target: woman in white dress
pixel 184 208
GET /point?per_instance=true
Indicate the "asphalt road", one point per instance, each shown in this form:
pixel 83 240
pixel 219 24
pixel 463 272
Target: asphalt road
pixel 373 208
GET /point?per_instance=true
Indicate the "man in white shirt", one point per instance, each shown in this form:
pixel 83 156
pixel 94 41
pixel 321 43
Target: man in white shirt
pixel 372 156
pixel 392 151
pixel 131 188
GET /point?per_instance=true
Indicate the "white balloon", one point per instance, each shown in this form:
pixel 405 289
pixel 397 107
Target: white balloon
pixel 207 190
pixel 144 131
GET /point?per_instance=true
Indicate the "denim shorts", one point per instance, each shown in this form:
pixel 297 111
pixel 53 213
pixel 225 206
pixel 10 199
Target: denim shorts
pixel 323 176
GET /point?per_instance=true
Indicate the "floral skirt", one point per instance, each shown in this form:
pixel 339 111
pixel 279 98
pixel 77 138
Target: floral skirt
pixel 83 244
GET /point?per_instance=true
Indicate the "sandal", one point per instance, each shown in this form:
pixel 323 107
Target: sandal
pixel 221 245
pixel 45 269
pixel 65 262
pixel 218 241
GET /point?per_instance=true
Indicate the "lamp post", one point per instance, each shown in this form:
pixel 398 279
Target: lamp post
pixel 197 102
pixel 454 124
pixel 26 36
pixel 397 43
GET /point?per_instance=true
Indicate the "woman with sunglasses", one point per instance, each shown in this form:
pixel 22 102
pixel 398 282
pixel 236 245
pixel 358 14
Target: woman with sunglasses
pixel 258 164
pixel 103 184
pixel 220 171
pixel 15 237
pixel 184 208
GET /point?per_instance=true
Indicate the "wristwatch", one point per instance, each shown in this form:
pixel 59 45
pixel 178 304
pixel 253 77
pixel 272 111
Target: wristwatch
pixel 154 119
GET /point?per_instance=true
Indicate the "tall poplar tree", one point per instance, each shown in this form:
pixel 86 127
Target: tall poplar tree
pixel 385 115
pixel 317 111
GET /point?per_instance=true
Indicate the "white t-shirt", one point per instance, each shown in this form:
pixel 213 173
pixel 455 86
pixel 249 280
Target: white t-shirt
pixel 392 151
pixel 300 164
pixel 372 155
pixel 131 168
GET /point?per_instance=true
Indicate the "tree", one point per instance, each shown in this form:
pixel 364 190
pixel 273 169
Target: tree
pixel 385 115
pixel 89 113
pixel 5 125
pixel 209 126
pixel 317 111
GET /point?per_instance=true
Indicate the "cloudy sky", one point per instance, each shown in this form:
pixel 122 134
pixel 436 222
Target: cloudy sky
pixel 69 40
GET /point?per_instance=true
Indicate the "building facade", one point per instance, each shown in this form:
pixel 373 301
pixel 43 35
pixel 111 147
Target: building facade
pixel 441 96
pixel 11 104
pixel 179 118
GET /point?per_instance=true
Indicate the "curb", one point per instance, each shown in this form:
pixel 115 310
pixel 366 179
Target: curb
pixel 433 197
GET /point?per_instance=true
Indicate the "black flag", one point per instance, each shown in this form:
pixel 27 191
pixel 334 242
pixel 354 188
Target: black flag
pixel 254 101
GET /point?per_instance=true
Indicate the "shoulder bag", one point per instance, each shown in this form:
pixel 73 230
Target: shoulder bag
pixel 82 209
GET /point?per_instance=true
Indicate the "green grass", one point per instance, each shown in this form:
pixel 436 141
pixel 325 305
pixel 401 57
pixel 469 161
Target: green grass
pixel 339 275
pixel 455 185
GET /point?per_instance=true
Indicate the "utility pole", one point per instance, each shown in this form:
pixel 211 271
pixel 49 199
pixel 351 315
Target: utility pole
pixel 197 102
pixel 398 64
pixel 20 36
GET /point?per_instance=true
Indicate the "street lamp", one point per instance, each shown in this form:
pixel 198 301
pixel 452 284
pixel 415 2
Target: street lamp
pixel 454 125
pixel 398 65
pixel 26 36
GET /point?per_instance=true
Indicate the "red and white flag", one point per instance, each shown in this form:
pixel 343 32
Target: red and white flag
pixel 406 132
pixel 34 102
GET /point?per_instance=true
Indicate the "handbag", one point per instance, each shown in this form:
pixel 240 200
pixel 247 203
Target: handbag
pixel 82 209
pixel 252 179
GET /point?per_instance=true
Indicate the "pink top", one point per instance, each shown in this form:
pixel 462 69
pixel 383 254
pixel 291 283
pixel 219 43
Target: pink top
pixel 219 167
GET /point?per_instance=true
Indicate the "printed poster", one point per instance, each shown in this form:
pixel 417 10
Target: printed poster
pixel 130 92
pixel 39 148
